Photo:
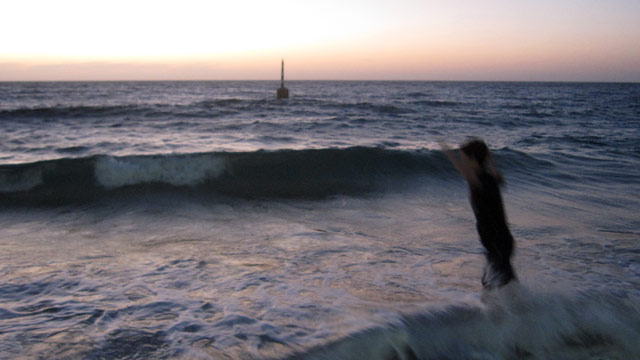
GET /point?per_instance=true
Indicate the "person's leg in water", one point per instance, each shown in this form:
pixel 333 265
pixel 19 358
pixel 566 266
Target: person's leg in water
pixel 498 250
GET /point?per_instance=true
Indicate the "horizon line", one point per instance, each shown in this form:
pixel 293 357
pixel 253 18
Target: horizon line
pixel 330 80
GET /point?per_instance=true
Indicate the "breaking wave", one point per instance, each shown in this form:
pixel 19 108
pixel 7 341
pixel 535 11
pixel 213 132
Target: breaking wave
pixel 284 173
pixel 310 173
pixel 514 324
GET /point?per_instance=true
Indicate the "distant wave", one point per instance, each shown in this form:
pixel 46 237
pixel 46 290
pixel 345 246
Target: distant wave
pixel 436 103
pixel 208 108
pixel 387 109
pixel 46 113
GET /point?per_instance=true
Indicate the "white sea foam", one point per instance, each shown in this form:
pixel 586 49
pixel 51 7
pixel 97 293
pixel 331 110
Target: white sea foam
pixel 515 323
pixel 113 172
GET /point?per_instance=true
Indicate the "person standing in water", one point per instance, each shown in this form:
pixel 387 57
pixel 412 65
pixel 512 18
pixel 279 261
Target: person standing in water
pixel 476 165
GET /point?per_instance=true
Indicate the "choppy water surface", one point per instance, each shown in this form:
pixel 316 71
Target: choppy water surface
pixel 209 220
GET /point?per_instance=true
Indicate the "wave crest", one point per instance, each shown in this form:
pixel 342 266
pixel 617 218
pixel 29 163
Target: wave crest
pixel 112 172
pixel 311 173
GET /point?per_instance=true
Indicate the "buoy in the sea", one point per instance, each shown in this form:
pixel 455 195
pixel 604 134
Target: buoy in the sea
pixel 283 92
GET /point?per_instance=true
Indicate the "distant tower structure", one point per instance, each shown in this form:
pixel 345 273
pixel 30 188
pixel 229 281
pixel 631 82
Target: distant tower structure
pixel 283 92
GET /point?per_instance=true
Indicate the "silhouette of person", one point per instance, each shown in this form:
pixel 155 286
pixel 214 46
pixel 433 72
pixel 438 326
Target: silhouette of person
pixel 476 165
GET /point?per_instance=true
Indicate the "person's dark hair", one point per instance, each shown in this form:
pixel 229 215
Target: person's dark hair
pixel 477 149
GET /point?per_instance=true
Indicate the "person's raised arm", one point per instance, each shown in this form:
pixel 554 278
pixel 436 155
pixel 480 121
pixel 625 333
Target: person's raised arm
pixel 462 164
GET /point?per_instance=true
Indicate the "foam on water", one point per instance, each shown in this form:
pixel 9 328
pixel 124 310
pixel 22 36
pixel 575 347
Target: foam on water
pixel 514 323
pixel 113 172
pixel 177 277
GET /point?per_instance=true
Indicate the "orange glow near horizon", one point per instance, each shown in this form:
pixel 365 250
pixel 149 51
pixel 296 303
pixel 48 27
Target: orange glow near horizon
pixel 244 40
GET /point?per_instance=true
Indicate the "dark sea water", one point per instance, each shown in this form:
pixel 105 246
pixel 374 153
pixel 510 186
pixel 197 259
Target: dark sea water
pixel 208 220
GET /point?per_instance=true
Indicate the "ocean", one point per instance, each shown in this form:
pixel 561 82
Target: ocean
pixel 208 220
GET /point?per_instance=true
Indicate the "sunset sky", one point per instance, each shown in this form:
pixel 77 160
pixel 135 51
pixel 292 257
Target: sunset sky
pixel 557 40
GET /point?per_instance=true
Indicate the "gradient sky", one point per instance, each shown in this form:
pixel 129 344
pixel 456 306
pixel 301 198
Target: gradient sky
pixel 542 40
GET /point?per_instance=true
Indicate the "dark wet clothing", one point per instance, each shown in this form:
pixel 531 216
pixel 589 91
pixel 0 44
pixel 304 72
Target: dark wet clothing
pixel 492 227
